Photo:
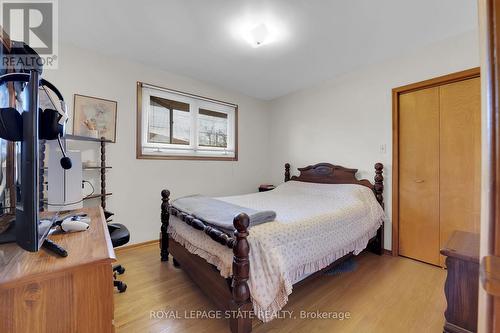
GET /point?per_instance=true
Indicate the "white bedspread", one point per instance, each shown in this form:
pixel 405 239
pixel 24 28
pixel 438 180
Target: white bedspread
pixel 315 225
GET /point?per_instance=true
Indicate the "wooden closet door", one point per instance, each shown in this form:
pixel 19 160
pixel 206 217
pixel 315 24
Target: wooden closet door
pixel 419 175
pixel 460 158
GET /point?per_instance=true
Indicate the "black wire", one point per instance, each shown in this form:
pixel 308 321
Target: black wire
pixel 67 204
pixel 76 202
pixel 60 145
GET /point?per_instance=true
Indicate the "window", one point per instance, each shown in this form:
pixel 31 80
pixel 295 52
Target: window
pixel 212 128
pixel 176 125
pixel 163 114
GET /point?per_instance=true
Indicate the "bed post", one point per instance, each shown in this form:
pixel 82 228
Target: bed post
pixel 377 246
pixel 165 216
pixel 241 307
pixel 287 172
pixel 378 188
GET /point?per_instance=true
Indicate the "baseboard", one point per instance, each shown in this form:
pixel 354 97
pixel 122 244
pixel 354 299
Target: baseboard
pixel 136 245
pixel 146 243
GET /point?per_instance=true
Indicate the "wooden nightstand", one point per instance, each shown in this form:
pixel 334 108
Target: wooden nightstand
pixel 462 282
pixel 266 187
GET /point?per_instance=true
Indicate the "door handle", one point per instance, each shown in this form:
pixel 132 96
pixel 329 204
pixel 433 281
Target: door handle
pixel 419 180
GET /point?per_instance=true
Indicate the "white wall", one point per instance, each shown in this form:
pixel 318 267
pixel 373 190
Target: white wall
pixel 346 120
pixel 343 121
pixel 136 184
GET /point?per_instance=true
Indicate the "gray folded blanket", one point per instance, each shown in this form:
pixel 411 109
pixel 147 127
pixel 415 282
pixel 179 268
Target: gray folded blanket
pixel 218 213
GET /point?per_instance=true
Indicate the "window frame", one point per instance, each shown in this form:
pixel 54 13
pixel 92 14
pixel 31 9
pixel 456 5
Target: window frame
pixel 192 151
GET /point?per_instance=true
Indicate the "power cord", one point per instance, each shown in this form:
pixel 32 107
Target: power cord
pixel 66 204
pixel 76 202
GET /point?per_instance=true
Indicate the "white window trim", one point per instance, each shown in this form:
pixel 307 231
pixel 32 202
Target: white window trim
pixel 149 150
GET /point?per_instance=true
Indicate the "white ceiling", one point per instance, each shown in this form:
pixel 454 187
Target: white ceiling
pixel 323 38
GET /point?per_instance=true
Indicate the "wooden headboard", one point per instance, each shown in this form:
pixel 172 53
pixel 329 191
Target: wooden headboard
pixel 326 173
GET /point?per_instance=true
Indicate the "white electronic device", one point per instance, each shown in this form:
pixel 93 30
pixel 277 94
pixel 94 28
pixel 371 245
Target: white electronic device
pixel 64 186
pixel 71 224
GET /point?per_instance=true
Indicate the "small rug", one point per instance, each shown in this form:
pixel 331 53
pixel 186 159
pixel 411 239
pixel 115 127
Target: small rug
pixel 349 265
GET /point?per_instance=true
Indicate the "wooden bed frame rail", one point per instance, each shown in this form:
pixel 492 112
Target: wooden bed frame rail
pixel 240 303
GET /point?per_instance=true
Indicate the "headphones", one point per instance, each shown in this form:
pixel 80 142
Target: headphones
pixel 51 123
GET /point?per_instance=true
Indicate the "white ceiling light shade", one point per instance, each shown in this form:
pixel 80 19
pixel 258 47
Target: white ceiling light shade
pixel 258 30
pixel 258 35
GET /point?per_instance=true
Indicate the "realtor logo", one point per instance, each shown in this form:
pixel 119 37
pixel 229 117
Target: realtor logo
pixel 35 24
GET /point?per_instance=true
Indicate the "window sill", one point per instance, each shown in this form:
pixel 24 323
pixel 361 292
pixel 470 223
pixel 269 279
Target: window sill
pixel 141 156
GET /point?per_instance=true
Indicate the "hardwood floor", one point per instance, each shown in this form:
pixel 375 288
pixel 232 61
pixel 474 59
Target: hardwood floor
pixel 383 294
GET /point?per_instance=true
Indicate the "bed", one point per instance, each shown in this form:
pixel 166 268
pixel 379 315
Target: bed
pixel 324 216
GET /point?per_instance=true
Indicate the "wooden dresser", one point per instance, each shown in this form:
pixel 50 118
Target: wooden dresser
pixel 462 282
pixel 40 292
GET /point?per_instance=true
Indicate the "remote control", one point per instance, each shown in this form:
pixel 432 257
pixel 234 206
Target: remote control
pixel 53 247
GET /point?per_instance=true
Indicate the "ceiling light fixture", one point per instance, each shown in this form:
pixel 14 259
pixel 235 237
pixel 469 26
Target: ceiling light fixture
pixel 258 30
pixel 258 35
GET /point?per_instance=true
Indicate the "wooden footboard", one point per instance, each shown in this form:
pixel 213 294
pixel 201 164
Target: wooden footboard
pixel 233 293
pixel 239 302
pixel 204 274
pixel 241 306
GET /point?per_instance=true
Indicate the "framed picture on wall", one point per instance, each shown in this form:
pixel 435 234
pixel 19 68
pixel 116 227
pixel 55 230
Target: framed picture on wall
pixel 94 117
